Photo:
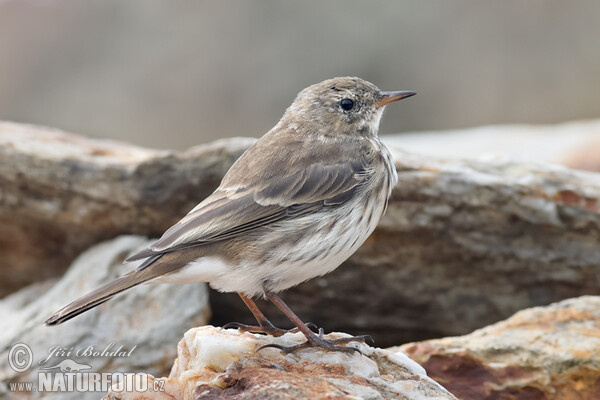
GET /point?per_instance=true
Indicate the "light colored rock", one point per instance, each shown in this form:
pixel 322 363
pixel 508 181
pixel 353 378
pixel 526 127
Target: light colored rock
pixel 217 363
pixel 548 353
pixel 570 144
pixel 146 321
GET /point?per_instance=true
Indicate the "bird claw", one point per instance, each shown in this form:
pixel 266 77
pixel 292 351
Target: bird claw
pixel 319 341
pixel 267 329
pixel 310 325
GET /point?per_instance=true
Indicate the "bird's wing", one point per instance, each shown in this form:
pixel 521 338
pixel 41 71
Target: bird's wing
pixel 242 205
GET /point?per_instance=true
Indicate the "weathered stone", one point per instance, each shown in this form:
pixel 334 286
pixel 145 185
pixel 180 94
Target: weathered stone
pixel 214 363
pixel 146 321
pixel 63 191
pixel 572 144
pixel 550 353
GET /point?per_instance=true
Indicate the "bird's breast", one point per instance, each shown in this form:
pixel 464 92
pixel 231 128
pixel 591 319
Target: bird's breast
pixel 384 175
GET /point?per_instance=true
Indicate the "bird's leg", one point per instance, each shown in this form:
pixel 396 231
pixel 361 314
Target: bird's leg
pixel 312 339
pixel 264 325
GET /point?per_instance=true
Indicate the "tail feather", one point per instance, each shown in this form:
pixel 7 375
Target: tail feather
pixel 99 296
pixel 140 255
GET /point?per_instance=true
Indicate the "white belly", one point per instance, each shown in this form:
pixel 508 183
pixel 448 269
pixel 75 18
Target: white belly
pixel 323 247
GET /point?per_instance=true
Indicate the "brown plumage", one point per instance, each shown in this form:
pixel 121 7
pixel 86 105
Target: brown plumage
pixel 294 206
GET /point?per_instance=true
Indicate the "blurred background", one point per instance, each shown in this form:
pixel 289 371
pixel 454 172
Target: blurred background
pixel 172 74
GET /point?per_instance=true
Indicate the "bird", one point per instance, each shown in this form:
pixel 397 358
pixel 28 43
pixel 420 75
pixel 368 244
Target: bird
pixel 294 206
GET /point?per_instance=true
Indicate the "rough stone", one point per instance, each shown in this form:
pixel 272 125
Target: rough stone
pixel 146 321
pixel 214 363
pixel 63 191
pixel 545 353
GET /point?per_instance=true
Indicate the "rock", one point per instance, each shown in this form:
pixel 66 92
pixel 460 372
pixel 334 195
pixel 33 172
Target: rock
pixel 225 364
pixel 145 322
pixel 573 144
pixel 60 190
pixel 464 243
pixel 584 157
pixel 548 353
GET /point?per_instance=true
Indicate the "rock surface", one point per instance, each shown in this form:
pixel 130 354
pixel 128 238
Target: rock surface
pixel 572 144
pixel 550 353
pixel 63 191
pixel 464 243
pixel 146 321
pixel 214 363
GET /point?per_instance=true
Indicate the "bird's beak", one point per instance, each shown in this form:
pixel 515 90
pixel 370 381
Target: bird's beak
pixel 390 97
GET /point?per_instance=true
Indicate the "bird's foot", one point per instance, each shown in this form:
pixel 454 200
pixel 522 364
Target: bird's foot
pixel 315 340
pixel 267 328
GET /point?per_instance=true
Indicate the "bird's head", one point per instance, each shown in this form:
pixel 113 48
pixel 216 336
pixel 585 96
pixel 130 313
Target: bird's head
pixel 345 105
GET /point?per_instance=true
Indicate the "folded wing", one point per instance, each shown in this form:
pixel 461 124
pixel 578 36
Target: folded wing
pixel 232 211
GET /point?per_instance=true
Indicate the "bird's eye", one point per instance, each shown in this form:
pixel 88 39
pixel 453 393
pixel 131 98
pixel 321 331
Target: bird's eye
pixel 347 104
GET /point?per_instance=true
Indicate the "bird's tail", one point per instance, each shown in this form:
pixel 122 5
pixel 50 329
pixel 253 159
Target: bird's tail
pixel 102 294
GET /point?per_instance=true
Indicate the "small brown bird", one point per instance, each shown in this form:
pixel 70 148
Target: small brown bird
pixel 294 206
